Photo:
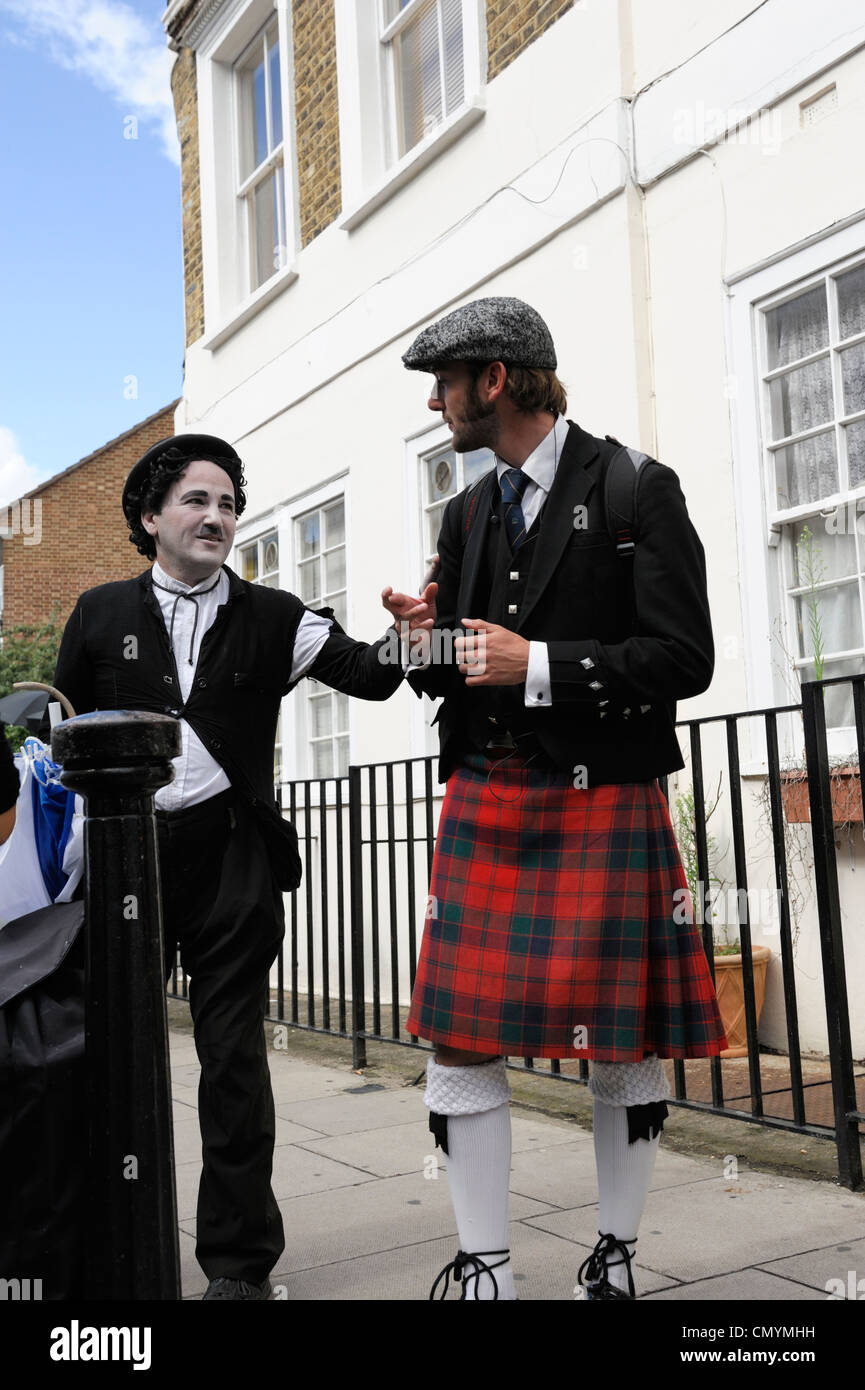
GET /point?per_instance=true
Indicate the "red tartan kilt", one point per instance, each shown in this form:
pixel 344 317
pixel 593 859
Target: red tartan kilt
pixel 555 909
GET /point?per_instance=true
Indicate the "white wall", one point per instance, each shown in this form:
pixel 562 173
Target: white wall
pixel 635 282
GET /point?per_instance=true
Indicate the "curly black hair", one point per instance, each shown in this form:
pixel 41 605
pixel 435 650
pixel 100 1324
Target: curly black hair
pixel 165 470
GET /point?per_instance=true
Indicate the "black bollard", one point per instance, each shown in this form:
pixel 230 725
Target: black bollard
pixel 117 760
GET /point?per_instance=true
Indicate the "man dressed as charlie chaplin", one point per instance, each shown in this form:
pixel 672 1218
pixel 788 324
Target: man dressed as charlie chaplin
pixel 190 639
pixel 557 887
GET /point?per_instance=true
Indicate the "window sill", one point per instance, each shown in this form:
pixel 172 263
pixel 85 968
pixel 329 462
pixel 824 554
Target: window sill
pixel 250 307
pixel 411 164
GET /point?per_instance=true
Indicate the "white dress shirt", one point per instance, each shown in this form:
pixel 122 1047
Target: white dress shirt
pixel 197 775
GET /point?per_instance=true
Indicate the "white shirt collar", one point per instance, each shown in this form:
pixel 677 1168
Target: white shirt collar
pixel 177 586
pixel 542 463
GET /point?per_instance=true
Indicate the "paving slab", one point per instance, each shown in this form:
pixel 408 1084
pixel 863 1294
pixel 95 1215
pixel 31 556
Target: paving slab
pixel 185 1109
pixel 408 1148
pixel 673 1169
pixel 565 1175
pixel 703 1229
pixel 405 1273
pixel 182 1055
pixel 185 1075
pixel 844 1261
pixel 354 1110
pixel 388 1153
pixel 297 1172
pixel 562 1175
pixel 193 1280
pixel 181 1063
pixel 288 1132
pixel 293 1082
pixel 382 1214
pixel 187 1145
pixel 530 1132
pixel 186 1178
pixel 745 1286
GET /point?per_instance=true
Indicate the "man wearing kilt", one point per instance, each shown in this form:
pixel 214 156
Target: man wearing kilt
pixel 557 891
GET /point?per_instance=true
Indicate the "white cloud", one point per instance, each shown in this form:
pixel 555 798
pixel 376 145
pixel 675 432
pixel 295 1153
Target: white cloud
pixel 16 475
pixel 108 43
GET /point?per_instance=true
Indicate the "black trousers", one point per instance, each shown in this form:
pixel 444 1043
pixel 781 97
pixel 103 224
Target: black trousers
pixel 221 905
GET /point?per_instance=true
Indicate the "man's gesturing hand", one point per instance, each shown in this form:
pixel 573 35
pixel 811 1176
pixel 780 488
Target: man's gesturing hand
pixel 491 655
pixel 418 612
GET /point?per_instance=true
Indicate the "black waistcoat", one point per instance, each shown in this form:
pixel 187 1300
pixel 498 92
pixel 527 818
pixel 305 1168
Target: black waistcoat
pixel 115 655
pixel 504 578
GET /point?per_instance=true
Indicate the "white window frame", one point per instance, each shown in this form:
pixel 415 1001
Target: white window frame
pixel 229 300
pixel 370 176
pixel 764 596
pixel 259 539
pixel 257 530
pixel 274 159
pixel 298 730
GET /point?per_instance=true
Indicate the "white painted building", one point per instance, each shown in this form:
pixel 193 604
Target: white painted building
pixel 680 191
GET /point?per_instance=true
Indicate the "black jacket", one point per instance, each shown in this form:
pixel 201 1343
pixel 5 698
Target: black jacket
pixel 242 673
pixel 648 644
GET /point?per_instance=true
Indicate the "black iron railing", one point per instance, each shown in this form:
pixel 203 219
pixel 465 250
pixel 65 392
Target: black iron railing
pixel 352 928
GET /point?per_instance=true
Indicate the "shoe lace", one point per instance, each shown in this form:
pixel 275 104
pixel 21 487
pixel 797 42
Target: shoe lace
pixel 599 1262
pixel 461 1273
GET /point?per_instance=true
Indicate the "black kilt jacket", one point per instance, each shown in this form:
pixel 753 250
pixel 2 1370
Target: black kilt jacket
pixel 621 654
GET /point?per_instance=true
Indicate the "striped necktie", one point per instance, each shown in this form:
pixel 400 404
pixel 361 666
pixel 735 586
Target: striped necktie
pixel 514 483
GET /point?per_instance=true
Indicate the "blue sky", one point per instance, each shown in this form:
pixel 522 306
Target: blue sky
pixel 91 278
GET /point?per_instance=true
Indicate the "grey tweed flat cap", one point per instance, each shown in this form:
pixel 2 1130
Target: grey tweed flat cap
pixel 498 329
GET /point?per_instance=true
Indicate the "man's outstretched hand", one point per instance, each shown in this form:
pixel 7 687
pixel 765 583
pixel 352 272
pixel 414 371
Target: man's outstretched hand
pixel 417 612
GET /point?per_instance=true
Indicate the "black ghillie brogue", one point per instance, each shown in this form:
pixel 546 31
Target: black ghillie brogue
pixel 596 1283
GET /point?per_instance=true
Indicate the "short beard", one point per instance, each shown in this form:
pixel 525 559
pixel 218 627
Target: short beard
pixel 480 428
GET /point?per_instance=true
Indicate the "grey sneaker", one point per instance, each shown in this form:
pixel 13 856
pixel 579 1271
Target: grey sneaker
pixel 224 1287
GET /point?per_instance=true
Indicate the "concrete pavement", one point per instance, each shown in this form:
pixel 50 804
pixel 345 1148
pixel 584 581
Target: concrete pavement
pixel 367 1213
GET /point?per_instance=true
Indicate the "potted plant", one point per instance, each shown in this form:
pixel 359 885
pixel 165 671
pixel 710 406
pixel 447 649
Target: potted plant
pixel 845 789
pixel 730 989
pixel 729 976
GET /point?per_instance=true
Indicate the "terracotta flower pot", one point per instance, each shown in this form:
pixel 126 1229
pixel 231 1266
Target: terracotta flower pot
pixel 730 989
pixel 845 788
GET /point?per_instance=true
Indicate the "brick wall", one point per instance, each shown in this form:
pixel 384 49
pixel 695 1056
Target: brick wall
pixel 185 90
pixel 317 116
pixel 83 531
pixel 513 24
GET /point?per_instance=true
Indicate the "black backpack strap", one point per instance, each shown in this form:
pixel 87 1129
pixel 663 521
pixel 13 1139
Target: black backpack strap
pixel 470 500
pixel 621 510
pixel 620 497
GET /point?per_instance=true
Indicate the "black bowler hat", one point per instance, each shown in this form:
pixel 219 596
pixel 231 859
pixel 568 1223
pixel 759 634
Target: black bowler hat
pixel 192 446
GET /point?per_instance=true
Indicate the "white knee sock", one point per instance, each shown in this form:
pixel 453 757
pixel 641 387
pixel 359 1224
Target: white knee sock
pixel 475 1100
pixel 624 1174
pixel 479 1167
